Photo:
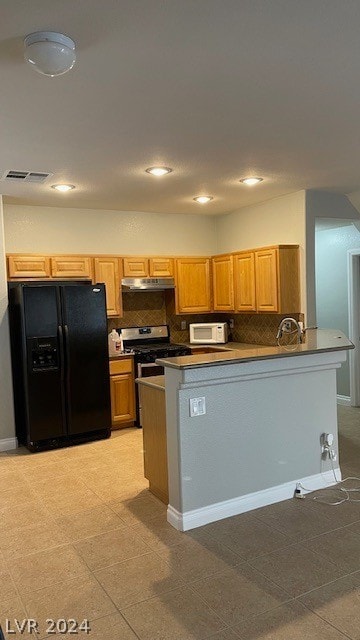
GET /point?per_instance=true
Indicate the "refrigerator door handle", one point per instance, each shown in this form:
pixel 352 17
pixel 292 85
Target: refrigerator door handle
pixel 62 374
pixel 61 351
pixel 67 371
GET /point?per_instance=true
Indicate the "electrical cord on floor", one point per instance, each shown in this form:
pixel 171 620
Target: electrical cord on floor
pixel 347 492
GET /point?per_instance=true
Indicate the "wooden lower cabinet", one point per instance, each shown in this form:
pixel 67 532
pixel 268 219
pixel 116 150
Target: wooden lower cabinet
pixel 122 391
pixel 153 417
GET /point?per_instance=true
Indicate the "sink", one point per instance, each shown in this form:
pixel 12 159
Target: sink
pixel 195 350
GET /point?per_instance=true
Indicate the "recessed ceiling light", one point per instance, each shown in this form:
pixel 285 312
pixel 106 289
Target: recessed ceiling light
pixel 203 199
pixel 158 171
pixel 63 187
pixel 251 181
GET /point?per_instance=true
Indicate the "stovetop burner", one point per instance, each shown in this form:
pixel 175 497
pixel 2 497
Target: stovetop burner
pixel 144 348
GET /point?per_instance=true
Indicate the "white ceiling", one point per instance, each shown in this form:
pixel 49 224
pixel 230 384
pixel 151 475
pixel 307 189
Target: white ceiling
pixel 215 89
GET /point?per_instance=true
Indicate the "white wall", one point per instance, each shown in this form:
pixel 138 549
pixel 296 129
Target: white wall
pixel 277 221
pixel 331 259
pixel 320 204
pixel 59 230
pixel 7 424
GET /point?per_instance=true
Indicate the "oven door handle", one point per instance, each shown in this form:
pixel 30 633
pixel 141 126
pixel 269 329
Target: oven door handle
pixel 145 366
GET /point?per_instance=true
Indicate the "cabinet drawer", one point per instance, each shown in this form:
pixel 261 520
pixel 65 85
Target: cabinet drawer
pixel 123 365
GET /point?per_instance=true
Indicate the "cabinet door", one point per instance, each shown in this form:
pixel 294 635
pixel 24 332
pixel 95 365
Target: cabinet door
pixel 161 267
pixel 266 271
pixel 122 399
pixel 223 283
pixel 244 270
pixel 71 267
pixel 135 267
pixel 28 266
pixel 193 285
pixel 108 270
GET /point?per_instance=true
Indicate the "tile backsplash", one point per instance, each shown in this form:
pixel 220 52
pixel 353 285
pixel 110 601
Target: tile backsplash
pixel 258 328
pixel 141 309
pixel 154 308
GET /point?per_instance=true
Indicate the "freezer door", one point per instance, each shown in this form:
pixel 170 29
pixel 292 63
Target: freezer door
pixel 41 357
pixel 87 359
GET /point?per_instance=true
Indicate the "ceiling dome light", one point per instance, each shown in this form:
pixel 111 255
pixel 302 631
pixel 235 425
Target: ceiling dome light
pixel 50 53
pixel 158 171
pixel 63 187
pixel 203 199
pixel 251 181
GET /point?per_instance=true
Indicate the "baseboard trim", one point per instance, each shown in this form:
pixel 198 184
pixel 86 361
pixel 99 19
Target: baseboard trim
pixel 343 400
pixel 220 510
pixel 7 444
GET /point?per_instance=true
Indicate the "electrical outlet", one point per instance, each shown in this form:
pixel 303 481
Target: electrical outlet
pixel 183 325
pixel 197 407
pixel 231 323
pixel 286 327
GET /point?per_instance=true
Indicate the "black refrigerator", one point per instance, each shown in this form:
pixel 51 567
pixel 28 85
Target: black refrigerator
pixel 60 363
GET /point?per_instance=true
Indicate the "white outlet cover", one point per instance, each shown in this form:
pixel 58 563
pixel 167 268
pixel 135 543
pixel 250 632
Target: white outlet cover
pixel 197 407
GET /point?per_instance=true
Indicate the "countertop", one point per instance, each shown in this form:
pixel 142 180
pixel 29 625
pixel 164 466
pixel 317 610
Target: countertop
pixel 228 346
pixel 316 340
pixel 157 382
pixel 121 355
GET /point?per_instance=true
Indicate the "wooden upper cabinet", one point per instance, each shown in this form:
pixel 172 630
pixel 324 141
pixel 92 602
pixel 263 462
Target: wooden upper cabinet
pixel 136 267
pixel 107 269
pixel 161 267
pixel 278 279
pixel 142 267
pixel 244 279
pixel 71 267
pixel 28 266
pixel 193 285
pixel 223 282
pixel 266 268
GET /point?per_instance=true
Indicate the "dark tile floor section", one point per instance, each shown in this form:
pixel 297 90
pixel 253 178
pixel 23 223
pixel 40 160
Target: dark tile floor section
pixel 81 537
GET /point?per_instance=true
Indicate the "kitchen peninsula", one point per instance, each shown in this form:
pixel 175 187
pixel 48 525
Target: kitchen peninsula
pixel 266 409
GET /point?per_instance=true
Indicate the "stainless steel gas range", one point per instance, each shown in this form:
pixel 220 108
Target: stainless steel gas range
pixel 147 344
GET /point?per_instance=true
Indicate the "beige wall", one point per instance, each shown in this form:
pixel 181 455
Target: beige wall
pixel 278 221
pixel 7 425
pixel 54 229
pixel 59 230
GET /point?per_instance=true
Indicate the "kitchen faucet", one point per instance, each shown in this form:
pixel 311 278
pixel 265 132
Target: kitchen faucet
pixel 299 330
pixel 289 321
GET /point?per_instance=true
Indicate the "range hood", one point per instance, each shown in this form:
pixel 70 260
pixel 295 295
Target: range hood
pixel 147 284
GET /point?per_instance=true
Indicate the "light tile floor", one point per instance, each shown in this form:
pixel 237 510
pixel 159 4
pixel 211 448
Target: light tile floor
pixel 81 537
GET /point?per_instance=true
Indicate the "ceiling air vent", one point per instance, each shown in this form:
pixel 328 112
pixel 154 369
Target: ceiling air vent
pixel 25 176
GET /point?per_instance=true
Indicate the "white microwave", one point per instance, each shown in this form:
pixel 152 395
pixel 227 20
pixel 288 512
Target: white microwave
pixel 208 333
